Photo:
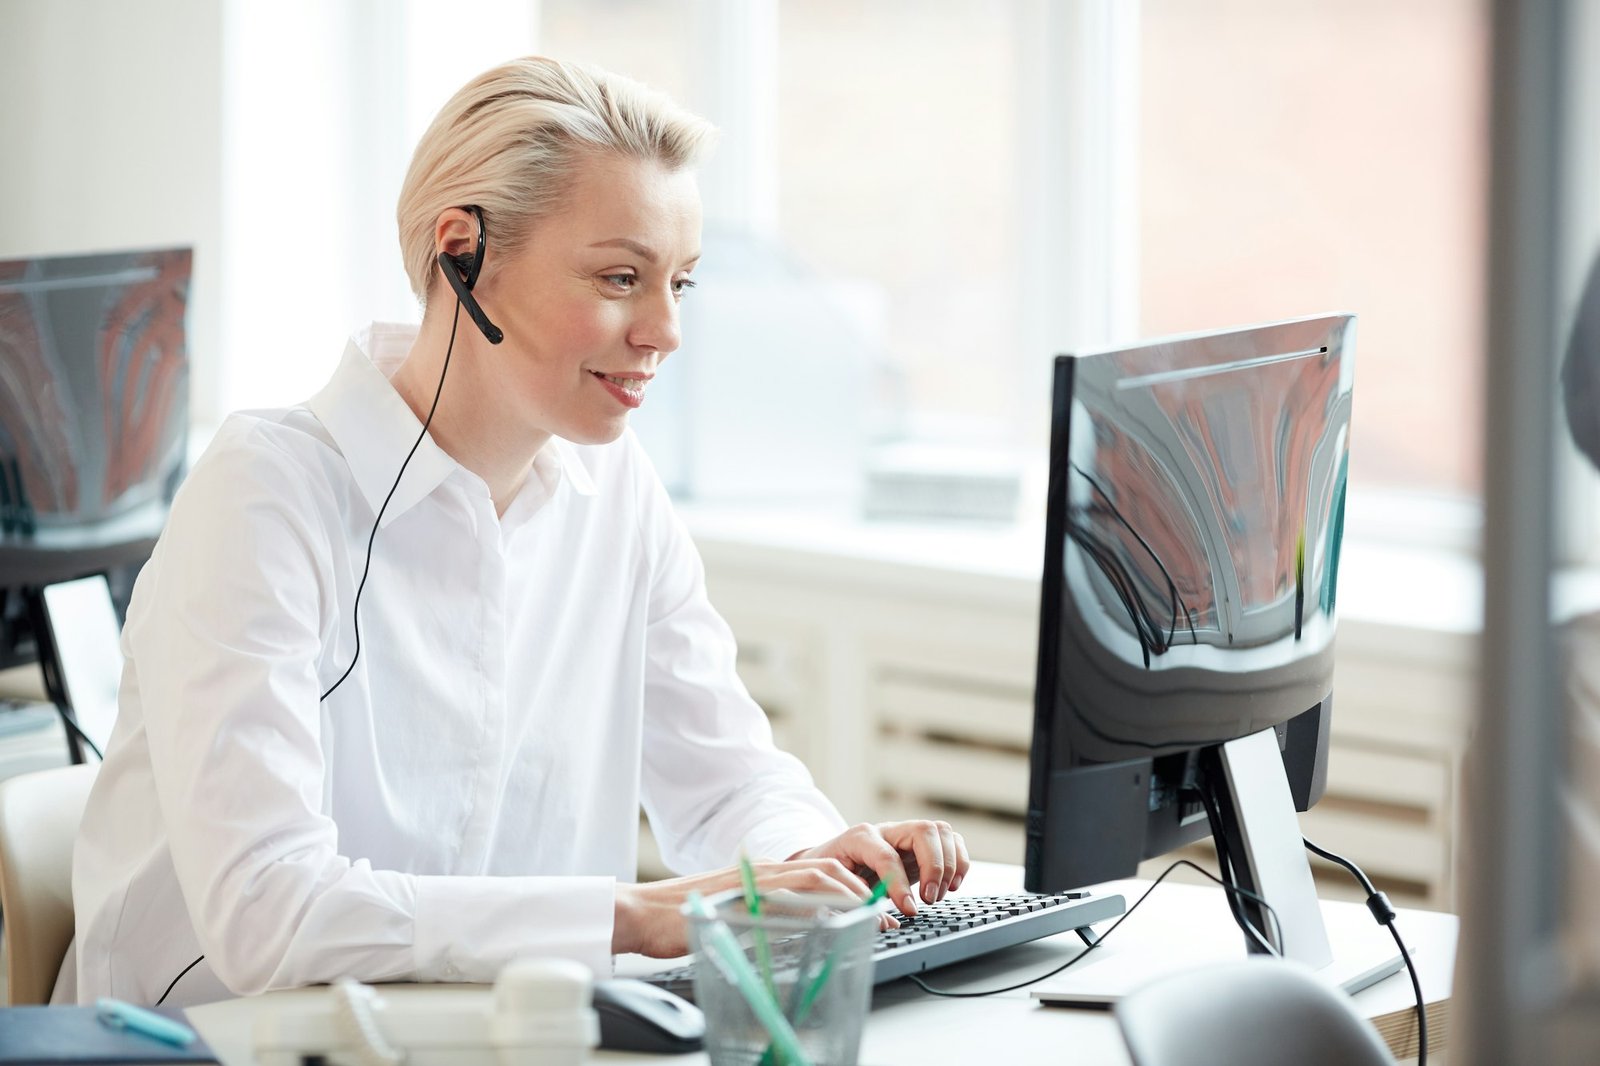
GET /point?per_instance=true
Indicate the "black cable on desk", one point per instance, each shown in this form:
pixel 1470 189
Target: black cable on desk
pixel 1101 939
pixel 1383 911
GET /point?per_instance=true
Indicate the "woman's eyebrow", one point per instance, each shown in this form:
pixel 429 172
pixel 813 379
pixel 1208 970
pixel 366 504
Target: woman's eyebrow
pixel 638 249
pixel 631 245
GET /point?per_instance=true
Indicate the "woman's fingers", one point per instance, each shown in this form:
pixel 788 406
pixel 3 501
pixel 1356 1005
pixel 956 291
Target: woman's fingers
pixel 922 841
pixel 963 861
pixel 869 848
pixel 824 876
pixel 955 857
pixel 820 875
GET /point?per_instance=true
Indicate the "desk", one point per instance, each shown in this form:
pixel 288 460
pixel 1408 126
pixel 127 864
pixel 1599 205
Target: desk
pixel 910 1026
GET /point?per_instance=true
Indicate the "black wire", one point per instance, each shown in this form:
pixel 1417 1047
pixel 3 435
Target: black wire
pixel 1382 902
pixel 1228 870
pixel 1101 939
pixel 1355 871
pixel 178 978
pixel 367 566
pixel 1112 572
pixel 1172 586
pixel 1416 987
pixel 1110 561
pixel 76 730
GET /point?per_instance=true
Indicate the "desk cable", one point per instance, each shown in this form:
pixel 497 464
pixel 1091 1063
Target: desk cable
pixel 1383 912
pixel 1233 890
pixel 1228 869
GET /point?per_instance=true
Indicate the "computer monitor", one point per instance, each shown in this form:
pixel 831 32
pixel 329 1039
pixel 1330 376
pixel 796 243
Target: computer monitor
pixel 94 412
pixel 1185 671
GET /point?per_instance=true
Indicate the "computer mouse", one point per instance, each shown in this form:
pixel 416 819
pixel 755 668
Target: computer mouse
pixel 636 1016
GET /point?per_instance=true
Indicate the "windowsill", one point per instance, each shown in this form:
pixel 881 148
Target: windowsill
pixel 1397 587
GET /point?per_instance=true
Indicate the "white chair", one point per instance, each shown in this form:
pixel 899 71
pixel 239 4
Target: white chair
pixel 39 816
pixel 1256 1012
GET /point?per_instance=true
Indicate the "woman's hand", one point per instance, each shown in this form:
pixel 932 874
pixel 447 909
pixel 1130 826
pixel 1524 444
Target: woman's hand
pixel 902 853
pixel 648 920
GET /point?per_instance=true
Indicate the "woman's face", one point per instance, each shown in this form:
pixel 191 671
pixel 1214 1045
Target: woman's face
pixel 589 306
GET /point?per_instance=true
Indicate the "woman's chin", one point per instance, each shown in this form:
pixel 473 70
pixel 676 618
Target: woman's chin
pixel 601 432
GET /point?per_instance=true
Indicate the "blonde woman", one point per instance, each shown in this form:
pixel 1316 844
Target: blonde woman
pixel 397 721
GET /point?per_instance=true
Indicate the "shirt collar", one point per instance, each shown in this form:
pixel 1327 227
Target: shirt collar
pixel 374 428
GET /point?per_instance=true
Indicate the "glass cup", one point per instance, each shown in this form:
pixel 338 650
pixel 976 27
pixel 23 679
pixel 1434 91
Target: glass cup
pixel 815 955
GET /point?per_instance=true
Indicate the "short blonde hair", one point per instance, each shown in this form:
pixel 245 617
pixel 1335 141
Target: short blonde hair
pixel 510 140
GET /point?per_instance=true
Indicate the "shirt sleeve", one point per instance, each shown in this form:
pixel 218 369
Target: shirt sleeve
pixel 226 646
pixel 714 784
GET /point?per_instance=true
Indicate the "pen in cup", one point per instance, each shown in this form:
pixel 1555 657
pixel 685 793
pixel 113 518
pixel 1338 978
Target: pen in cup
pixel 725 953
pixel 813 989
pixel 752 902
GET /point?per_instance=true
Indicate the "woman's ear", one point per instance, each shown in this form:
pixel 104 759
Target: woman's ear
pixel 455 233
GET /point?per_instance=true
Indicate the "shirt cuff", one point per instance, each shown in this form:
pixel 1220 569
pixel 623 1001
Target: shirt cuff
pixel 469 928
pixel 777 838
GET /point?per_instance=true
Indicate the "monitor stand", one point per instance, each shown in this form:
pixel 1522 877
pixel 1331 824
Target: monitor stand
pixel 1258 827
pixel 1253 818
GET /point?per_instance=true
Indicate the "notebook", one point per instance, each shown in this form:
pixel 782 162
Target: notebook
pixel 46 1036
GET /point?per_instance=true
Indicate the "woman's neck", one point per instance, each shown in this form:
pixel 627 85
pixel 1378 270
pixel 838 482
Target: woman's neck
pixel 472 423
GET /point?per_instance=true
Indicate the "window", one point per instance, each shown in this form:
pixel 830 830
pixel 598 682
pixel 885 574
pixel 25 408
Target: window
pixel 897 141
pixel 981 184
pixel 1300 156
pixel 648 40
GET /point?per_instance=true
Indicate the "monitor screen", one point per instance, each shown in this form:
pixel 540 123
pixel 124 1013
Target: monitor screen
pixel 94 395
pixel 1195 513
pixel 94 413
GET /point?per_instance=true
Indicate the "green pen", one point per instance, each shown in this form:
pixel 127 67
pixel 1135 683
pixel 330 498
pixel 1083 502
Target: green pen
pixel 722 948
pixel 814 989
pixel 752 902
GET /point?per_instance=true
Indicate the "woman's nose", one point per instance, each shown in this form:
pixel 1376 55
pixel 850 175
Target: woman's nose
pixel 656 328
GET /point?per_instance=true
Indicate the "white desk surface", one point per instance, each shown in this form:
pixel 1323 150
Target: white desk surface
pixel 909 1026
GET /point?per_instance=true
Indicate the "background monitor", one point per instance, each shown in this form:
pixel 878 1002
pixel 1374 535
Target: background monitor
pixel 1195 513
pixel 94 413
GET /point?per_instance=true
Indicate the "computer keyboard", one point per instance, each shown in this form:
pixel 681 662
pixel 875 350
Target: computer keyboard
pixel 955 929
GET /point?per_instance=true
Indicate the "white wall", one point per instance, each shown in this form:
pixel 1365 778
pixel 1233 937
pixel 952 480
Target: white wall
pixel 110 138
pixel 323 105
pixel 271 136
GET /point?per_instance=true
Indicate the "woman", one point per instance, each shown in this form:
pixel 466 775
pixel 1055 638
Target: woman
pixel 409 657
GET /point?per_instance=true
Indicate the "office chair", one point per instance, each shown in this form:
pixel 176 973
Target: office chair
pixel 1255 1012
pixel 39 816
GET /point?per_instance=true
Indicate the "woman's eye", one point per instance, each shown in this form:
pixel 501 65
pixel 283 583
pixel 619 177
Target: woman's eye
pixel 620 281
pixel 681 286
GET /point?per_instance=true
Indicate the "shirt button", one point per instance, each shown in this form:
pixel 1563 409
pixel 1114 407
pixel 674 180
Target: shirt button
pixel 450 970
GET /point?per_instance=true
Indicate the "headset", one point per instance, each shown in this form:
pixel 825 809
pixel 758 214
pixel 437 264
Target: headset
pixel 461 271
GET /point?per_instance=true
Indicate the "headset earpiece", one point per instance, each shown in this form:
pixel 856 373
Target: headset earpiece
pixel 464 264
pixel 461 271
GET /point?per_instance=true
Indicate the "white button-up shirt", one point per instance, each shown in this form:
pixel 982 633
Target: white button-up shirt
pixel 471 793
